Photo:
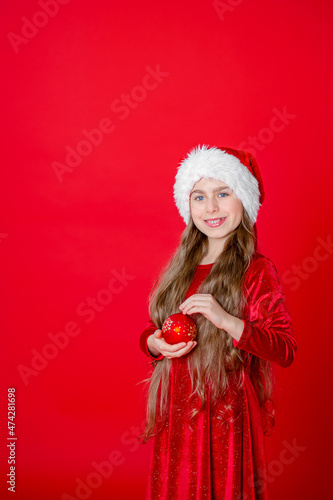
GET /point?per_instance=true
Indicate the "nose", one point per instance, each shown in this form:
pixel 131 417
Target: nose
pixel 211 205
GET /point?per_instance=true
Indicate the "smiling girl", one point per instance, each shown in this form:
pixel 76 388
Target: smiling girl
pixel 210 400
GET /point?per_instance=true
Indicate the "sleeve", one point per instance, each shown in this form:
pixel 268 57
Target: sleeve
pixel 149 330
pixel 267 331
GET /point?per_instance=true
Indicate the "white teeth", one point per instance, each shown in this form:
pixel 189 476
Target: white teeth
pixel 215 221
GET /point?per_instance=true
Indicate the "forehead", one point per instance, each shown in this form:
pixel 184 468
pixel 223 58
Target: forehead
pixel 208 184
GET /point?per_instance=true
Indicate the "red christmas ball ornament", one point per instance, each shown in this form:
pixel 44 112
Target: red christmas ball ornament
pixel 179 327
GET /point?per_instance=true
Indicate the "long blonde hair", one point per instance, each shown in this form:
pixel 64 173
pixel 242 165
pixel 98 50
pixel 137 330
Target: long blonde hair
pixel 224 283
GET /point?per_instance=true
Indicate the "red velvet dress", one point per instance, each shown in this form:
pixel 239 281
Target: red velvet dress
pixel 215 459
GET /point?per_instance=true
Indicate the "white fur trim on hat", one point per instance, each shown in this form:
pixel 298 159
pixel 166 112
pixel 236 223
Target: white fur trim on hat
pixel 212 162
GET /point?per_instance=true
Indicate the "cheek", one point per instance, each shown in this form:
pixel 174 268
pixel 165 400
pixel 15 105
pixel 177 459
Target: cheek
pixel 195 209
pixel 236 206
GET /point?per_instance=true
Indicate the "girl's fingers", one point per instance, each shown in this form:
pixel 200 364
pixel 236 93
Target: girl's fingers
pixel 192 346
pixel 171 347
pixel 174 350
pixel 181 352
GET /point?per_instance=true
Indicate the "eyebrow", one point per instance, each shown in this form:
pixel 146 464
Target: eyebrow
pixel 214 191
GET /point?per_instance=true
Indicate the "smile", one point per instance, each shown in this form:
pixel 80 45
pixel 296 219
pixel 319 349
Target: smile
pixel 215 222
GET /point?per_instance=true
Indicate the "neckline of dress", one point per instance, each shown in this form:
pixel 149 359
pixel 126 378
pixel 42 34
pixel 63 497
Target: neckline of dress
pixel 205 266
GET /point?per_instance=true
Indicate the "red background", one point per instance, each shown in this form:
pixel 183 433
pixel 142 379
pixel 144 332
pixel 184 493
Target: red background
pixel 225 77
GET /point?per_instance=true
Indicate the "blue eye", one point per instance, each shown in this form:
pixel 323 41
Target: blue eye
pixel 224 194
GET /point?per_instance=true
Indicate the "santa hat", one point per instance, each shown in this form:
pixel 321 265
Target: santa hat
pixel 238 169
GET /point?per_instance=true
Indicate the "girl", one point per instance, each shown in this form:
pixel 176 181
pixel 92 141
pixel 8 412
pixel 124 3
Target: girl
pixel 209 403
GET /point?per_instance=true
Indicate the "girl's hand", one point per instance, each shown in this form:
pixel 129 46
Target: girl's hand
pixel 205 304
pixel 157 345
